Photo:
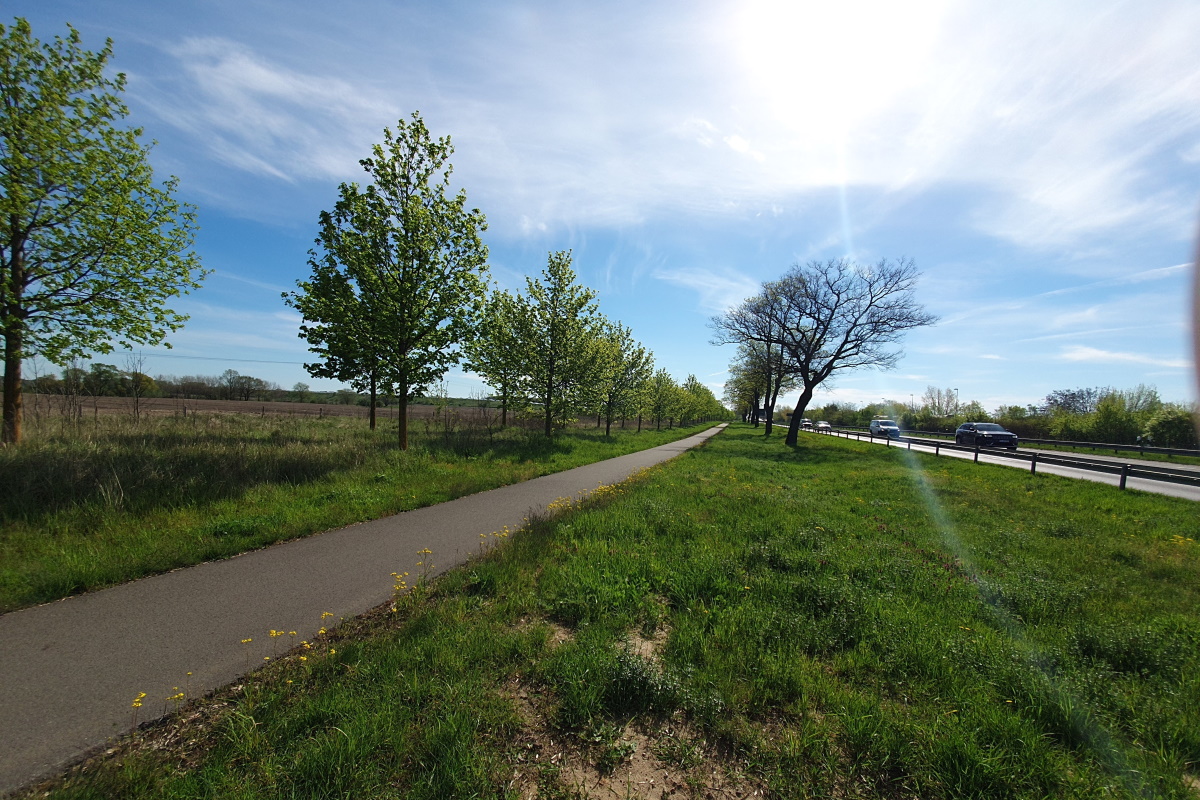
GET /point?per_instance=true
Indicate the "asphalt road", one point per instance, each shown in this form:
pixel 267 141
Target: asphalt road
pixel 1142 484
pixel 71 669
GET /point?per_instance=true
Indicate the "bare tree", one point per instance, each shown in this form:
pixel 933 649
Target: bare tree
pixel 755 325
pixel 836 315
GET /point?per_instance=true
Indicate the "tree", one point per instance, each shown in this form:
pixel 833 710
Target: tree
pixel 91 249
pixel 755 324
pixel 557 320
pixel 664 396
pixel 837 315
pixel 495 352
pixel 628 365
pixel 1171 425
pixel 399 279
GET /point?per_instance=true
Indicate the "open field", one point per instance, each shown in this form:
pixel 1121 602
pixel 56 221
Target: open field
pixel 46 408
pixel 837 620
pixel 111 499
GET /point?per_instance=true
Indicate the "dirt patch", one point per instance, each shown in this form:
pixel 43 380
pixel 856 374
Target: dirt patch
pixel 667 760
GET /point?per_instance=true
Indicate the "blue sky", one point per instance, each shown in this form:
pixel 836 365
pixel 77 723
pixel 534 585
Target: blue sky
pixel 1039 161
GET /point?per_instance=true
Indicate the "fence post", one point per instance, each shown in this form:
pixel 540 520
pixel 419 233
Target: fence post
pixel 1124 474
pixel 937 447
pixel 888 442
pixel 977 452
pixel 1033 465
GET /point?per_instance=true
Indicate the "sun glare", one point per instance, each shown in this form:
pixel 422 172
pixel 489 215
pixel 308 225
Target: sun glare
pixel 835 63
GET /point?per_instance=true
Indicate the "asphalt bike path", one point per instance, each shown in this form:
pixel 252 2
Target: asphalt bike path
pixel 1184 491
pixel 71 670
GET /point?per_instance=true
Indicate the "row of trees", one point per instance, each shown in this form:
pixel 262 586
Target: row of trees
pixel 398 293
pixel 548 351
pixel 106 380
pixel 819 319
pixel 1093 414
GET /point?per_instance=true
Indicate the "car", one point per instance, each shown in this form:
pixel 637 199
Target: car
pixel 885 427
pixel 806 424
pixel 985 434
pixel 822 425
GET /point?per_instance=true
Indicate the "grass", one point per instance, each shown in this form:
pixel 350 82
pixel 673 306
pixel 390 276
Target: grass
pixel 834 620
pixel 110 500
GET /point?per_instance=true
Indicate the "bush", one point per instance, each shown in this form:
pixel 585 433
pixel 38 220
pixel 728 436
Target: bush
pixel 1171 426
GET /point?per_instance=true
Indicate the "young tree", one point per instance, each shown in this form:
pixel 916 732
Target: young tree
pixel 557 320
pixel 837 315
pixel 90 249
pixel 495 352
pixel 407 270
pixel 628 366
pixel 664 396
pixel 338 306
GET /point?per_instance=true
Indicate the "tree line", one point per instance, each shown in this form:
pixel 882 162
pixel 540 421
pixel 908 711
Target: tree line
pixel 398 293
pixel 92 250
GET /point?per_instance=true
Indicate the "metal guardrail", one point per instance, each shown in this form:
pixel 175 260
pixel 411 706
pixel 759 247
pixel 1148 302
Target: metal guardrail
pixel 1149 470
pixel 1116 448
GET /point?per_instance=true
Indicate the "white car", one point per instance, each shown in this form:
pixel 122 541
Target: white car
pixel 822 425
pixel 885 427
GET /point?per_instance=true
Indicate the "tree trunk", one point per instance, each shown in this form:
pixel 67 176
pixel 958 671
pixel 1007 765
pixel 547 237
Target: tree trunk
pixel 639 423
pixel 403 401
pixel 504 406
pixel 371 413
pixel 549 417
pixel 12 388
pixel 801 405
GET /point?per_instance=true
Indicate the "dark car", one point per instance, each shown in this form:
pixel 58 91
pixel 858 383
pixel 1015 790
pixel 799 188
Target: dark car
pixel 985 434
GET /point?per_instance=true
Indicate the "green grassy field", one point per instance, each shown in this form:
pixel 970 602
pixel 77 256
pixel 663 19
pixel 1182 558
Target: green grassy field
pixel 110 500
pixel 838 620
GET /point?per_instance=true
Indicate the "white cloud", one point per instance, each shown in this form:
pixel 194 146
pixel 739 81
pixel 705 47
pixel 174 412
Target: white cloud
pixel 718 291
pixel 259 116
pixel 1051 115
pixel 1092 354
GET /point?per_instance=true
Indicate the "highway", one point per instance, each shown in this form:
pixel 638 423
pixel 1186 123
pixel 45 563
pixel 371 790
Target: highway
pixel 1182 472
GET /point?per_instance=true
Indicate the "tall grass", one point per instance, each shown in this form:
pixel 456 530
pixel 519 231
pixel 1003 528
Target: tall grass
pixel 112 499
pixel 836 620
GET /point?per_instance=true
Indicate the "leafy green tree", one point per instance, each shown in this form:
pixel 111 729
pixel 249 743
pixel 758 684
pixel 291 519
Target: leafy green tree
pixel 628 365
pixel 496 351
pixel 90 249
pixel 103 380
pixel 664 398
pixel 338 304
pixel 400 277
pixel 1172 425
pixel 557 320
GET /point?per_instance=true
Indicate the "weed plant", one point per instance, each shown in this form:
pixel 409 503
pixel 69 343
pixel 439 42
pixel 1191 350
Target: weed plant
pixel 113 499
pixel 837 620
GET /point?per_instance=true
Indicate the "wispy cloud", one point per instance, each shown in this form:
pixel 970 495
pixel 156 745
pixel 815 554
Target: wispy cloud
pixel 1081 353
pixel 718 291
pixel 1143 276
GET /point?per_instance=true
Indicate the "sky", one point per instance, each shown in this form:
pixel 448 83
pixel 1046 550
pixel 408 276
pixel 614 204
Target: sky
pixel 1039 162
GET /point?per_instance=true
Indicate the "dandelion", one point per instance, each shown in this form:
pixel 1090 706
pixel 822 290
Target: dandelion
pixel 303 658
pixel 332 652
pixel 325 614
pixel 247 641
pixel 321 632
pixel 266 658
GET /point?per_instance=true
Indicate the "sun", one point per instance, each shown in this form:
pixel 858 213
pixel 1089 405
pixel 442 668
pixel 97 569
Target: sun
pixel 836 64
